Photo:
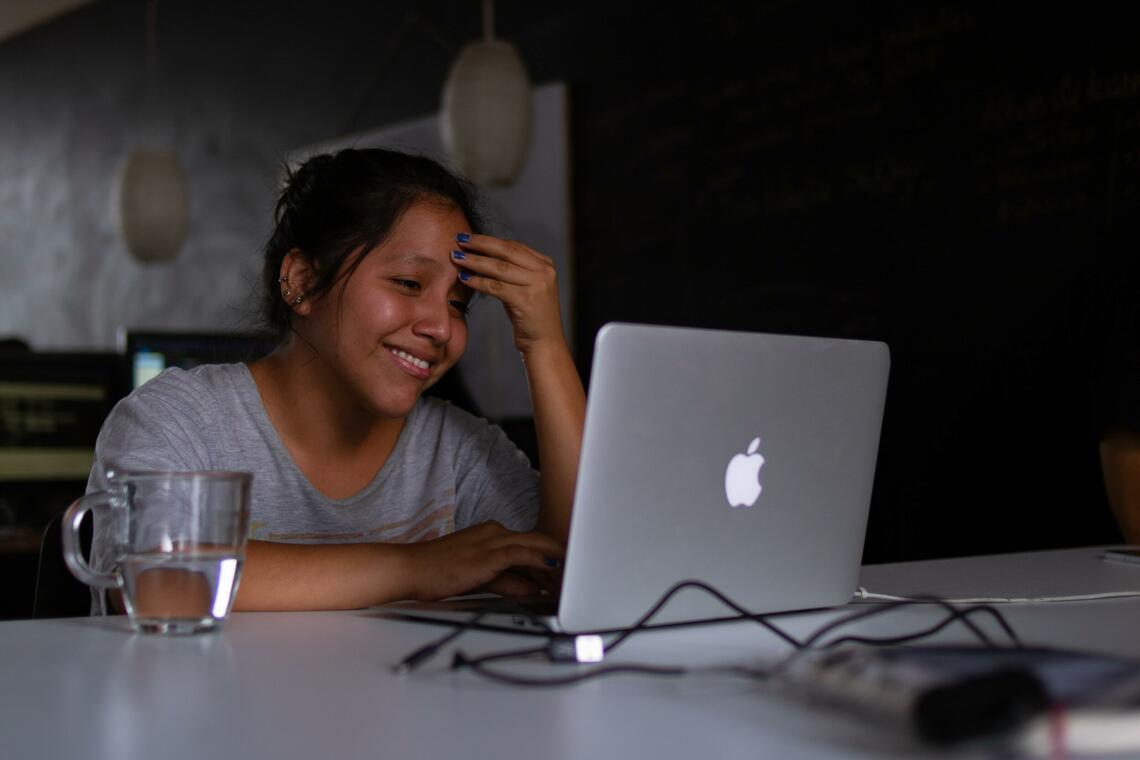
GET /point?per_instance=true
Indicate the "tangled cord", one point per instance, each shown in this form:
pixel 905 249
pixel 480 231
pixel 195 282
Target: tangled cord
pixel 558 646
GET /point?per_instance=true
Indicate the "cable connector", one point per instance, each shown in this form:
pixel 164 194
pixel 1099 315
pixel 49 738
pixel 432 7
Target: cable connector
pixel 413 661
pixel 587 648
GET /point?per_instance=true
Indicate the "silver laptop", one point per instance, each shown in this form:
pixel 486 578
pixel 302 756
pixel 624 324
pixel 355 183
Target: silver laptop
pixel 742 460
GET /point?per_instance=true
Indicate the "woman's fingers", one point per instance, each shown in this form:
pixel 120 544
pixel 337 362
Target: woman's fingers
pixel 492 284
pixel 510 251
pixel 512 584
pixel 523 279
pixel 548 580
pixel 475 556
pixel 522 556
pixel 499 269
pixel 538 542
pixel 503 548
pixel 505 260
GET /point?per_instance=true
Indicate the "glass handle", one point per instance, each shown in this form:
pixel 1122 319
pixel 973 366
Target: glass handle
pixel 72 554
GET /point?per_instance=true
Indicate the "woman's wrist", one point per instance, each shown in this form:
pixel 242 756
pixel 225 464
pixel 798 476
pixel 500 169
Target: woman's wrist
pixel 552 350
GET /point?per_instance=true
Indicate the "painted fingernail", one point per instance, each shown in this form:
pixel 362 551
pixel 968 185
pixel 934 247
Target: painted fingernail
pixel 465 276
pixel 458 255
pixel 553 563
pixel 462 237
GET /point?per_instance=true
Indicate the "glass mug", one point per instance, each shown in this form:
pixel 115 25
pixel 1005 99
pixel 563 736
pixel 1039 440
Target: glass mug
pixel 177 540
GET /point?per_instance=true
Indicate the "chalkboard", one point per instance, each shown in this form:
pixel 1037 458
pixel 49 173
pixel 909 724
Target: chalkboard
pixel 959 180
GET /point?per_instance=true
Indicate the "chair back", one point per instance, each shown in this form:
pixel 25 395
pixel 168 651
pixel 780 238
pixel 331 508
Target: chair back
pixel 58 593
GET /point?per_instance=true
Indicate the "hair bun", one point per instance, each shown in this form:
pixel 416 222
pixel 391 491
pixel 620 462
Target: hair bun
pixel 300 184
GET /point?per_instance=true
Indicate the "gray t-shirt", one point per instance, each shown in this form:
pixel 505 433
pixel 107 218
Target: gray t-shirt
pixel 448 470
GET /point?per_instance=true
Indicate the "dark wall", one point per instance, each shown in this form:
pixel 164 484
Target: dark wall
pixel 958 180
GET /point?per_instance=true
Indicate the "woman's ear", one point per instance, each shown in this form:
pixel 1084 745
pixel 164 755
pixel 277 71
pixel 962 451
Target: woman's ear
pixel 295 279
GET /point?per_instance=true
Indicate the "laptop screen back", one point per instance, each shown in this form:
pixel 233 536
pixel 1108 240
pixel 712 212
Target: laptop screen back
pixel 743 460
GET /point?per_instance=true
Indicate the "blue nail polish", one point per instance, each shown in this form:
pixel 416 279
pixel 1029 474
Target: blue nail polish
pixel 462 237
pixel 465 276
pixel 458 255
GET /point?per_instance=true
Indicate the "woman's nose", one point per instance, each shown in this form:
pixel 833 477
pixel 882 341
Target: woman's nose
pixel 434 322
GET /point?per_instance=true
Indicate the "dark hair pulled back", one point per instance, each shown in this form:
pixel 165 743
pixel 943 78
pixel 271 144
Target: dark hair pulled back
pixel 337 205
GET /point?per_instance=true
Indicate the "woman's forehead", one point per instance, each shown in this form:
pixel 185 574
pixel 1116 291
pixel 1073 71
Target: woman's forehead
pixel 428 214
pixel 425 229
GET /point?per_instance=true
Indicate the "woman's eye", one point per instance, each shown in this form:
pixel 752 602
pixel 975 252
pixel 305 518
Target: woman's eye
pixel 407 284
pixel 461 307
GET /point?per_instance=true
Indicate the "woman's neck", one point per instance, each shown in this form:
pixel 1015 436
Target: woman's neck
pixel 316 418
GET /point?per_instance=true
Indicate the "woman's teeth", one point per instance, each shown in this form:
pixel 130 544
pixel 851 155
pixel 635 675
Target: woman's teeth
pixel 410 359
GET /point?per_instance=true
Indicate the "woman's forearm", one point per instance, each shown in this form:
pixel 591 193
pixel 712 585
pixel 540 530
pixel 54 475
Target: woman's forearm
pixel 559 403
pixel 278 576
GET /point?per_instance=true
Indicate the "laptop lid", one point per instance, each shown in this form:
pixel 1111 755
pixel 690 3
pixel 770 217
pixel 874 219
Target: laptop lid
pixel 743 460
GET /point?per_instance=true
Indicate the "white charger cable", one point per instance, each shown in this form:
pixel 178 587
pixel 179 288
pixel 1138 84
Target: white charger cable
pixel 863 593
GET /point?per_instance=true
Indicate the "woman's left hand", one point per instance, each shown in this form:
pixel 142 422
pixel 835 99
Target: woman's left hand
pixel 519 276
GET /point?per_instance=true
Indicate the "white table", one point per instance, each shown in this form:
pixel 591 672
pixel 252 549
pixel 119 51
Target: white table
pixel 319 685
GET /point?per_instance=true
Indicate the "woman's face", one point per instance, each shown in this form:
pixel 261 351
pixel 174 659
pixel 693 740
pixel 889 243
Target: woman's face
pixel 399 322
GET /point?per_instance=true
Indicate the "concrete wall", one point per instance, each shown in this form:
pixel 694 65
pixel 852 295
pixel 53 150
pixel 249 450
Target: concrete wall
pixel 234 87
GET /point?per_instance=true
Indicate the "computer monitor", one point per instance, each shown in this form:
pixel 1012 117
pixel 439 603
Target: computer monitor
pixel 149 352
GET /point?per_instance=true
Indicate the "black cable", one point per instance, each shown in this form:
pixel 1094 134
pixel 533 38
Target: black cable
pixel 641 624
pixel 424 653
pixel 477 664
pixel 421 655
pixel 954 611
pixel 462 661
pixel 896 640
pixel 954 615
pixel 754 617
pixel 509 654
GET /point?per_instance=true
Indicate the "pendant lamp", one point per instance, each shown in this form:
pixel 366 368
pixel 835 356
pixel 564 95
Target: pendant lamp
pixel 486 111
pixel 154 206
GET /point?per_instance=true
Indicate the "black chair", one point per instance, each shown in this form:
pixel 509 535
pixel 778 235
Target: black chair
pixel 58 592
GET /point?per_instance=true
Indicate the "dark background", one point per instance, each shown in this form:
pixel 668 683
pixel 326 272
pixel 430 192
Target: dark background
pixel 959 180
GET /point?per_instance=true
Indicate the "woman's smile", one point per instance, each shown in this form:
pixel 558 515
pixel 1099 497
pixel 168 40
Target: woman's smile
pixel 416 366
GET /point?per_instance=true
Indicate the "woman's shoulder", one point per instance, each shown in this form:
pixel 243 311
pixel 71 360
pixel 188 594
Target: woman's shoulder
pixel 193 389
pixel 170 422
pixel 452 428
pixel 467 435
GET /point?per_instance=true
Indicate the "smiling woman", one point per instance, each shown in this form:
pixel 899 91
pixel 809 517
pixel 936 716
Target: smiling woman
pixel 365 490
pixel 390 326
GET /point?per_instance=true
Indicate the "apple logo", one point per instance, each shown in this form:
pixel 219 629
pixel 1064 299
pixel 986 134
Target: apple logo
pixel 742 478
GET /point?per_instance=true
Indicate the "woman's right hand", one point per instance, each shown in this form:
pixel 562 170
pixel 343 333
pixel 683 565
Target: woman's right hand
pixel 480 557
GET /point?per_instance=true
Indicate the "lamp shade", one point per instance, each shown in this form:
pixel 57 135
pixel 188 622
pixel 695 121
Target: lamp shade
pixel 487 112
pixel 154 205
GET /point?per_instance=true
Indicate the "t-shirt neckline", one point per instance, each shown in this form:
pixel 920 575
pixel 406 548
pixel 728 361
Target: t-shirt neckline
pixel 281 451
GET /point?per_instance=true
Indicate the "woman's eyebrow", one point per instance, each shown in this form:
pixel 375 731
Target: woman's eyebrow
pixel 418 260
